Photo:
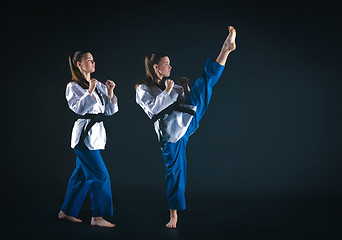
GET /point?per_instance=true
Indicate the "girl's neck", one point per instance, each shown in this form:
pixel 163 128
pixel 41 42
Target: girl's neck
pixel 87 76
pixel 159 79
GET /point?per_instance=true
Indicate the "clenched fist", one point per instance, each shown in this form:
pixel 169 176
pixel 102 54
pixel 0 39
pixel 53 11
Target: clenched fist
pixel 92 86
pixel 110 86
pixel 169 85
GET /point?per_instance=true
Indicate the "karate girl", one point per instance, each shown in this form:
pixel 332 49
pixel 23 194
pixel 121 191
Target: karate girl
pixel 91 100
pixel 176 111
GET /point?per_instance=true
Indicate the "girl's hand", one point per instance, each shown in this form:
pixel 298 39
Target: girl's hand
pixel 110 86
pixel 169 85
pixel 92 86
pixel 184 82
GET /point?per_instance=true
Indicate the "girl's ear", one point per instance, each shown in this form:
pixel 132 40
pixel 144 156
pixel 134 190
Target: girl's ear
pixel 155 67
pixel 79 65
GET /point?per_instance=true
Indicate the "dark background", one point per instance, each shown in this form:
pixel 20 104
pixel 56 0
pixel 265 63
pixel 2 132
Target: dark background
pixel 266 160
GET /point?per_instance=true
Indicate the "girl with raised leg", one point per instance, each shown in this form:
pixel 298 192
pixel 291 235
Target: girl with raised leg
pixel 176 111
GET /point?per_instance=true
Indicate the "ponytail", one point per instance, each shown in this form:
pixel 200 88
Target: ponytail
pixel 76 75
pixel 151 75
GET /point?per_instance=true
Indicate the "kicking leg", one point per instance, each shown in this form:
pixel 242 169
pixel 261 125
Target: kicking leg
pixel 201 90
pixel 228 46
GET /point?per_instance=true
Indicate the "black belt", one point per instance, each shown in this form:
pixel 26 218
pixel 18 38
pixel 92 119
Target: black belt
pixel 173 107
pixel 94 118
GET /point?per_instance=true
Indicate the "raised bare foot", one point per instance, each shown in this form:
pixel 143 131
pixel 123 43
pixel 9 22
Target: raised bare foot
pixel 62 215
pixel 173 219
pixel 99 221
pixel 229 44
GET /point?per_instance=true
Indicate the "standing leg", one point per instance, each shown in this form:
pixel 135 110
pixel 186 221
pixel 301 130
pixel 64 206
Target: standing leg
pixel 75 194
pixel 175 163
pixel 98 180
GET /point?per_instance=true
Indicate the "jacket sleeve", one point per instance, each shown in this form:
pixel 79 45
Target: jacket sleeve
pixel 78 100
pixel 152 105
pixel 111 106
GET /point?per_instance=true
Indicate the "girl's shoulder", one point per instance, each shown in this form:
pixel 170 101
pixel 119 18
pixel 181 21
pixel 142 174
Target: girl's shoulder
pixel 73 85
pixel 143 87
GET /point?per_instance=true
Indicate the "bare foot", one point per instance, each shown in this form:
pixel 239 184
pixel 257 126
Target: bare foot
pixel 62 215
pixel 173 219
pixel 99 221
pixel 229 44
pixel 184 82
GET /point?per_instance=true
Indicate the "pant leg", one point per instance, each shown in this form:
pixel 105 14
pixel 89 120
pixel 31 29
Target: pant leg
pixel 76 191
pixel 201 92
pixel 97 177
pixel 175 176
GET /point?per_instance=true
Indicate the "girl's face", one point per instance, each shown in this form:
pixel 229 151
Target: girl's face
pixel 87 65
pixel 163 68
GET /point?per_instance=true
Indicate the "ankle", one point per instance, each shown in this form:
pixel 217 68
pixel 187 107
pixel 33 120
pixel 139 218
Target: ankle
pixel 173 214
pixel 61 214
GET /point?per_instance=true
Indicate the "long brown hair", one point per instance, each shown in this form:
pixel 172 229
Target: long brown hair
pixel 76 75
pixel 151 75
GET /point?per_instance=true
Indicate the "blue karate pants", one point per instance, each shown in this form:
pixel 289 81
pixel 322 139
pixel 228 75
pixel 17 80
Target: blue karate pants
pixel 174 153
pixel 90 175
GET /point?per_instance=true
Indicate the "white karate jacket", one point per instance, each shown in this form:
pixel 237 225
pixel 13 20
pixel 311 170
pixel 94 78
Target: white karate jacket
pixel 81 102
pixel 153 100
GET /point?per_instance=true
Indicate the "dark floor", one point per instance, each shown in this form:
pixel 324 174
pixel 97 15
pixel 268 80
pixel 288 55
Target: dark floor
pixel 141 214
